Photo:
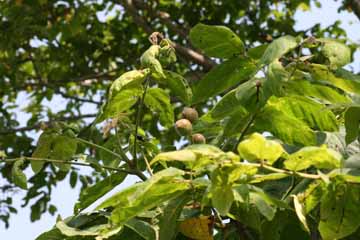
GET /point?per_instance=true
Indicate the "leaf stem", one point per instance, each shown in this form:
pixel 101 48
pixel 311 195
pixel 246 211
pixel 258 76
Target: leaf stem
pixel 278 170
pixel 139 120
pixel 245 129
pixel 99 147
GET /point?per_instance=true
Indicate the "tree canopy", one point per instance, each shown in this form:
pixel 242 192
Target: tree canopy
pixel 266 118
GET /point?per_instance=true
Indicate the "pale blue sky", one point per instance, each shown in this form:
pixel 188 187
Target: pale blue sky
pixel 64 197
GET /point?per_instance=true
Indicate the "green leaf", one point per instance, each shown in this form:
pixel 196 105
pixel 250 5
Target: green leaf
pixel 284 126
pixel 314 114
pixel 311 198
pixel 264 207
pixel 123 94
pixel 149 60
pixel 319 157
pixel 177 85
pixel 53 234
pixel 216 41
pixel 144 229
pixel 42 150
pixel 352 124
pixel 337 53
pixel 222 180
pixel 128 80
pixel 195 156
pixel 315 90
pixel 236 122
pixel 258 148
pixel 170 213
pixel 119 103
pixel 339 212
pixel 157 100
pixel 300 212
pixel 228 104
pixel 224 76
pixel 90 194
pixel 278 48
pixel 161 187
pixel 222 198
pixel 276 80
pixel 71 231
pixel 249 95
pixel 322 74
pixel 17 175
pixel 63 148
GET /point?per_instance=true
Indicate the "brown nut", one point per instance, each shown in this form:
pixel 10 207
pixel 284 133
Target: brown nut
pixel 198 139
pixel 183 127
pixel 190 114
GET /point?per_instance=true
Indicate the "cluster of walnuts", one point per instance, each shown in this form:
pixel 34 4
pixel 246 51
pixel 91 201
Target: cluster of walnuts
pixel 184 126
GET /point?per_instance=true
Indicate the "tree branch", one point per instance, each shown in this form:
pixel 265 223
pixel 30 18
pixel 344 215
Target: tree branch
pixel 65 95
pixel 10 160
pixel 355 6
pixel 183 51
pixel 38 125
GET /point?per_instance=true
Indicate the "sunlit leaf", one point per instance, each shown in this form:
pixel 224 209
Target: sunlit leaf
pixel 320 157
pixel 278 48
pixel 216 41
pixel 258 148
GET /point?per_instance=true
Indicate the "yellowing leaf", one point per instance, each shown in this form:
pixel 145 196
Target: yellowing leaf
pixel 300 212
pixel 257 148
pixel 320 157
pixel 197 228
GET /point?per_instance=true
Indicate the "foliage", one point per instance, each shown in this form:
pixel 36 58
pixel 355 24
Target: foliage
pixel 280 117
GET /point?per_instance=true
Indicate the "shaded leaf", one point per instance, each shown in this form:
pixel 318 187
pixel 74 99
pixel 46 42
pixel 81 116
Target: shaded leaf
pixel 18 177
pixel 42 150
pixel 144 229
pixel 220 78
pixel 90 194
pixel 168 219
pixel 177 85
pixel 339 212
pixel 157 100
pixel 352 124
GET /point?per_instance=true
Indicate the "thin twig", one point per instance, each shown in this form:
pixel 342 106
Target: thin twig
pixel 9 160
pixel 38 125
pixel 121 151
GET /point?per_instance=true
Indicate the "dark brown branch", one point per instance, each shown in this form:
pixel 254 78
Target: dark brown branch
pixel 65 95
pixel 355 6
pixel 188 53
pixel 38 125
